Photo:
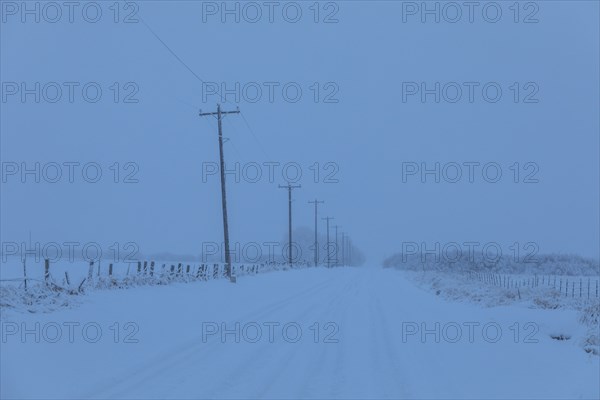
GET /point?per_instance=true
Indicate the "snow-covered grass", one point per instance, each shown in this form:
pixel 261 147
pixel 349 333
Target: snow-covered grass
pixel 67 282
pixel 550 281
pixel 540 264
pixel 465 287
pixel 37 298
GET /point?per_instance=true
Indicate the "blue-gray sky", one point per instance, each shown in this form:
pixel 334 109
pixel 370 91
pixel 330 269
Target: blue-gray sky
pixel 361 61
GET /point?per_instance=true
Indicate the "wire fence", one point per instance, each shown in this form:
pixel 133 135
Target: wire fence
pixel 568 286
pixel 71 280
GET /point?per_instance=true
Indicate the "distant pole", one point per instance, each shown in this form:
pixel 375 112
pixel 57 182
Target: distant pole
pixel 316 203
pixel 337 260
pixel 220 115
pixel 289 187
pixel 343 250
pixel 349 252
pixel 327 247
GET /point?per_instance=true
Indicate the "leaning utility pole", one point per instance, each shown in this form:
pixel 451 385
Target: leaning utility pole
pixel 327 247
pixel 289 187
pixel 316 203
pixel 220 115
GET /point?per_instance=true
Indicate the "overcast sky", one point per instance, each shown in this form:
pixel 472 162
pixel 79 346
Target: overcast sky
pixel 360 121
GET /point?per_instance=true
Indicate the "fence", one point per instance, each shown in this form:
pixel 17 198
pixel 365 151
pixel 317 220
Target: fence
pixel 586 287
pixel 142 273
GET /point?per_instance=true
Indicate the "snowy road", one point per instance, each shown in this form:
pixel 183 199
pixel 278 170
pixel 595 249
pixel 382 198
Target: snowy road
pixel 361 337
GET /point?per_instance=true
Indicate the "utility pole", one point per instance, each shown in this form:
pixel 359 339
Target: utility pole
pixel 349 252
pixel 337 259
pixel 316 203
pixel 327 247
pixel 289 187
pixel 343 250
pixel 219 114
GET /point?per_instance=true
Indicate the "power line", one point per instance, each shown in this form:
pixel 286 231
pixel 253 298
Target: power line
pixel 255 137
pixel 223 99
pixel 172 52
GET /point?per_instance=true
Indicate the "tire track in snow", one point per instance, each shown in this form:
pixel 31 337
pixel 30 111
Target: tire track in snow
pixel 248 366
pixel 341 349
pixel 393 359
pixel 169 360
pixel 325 315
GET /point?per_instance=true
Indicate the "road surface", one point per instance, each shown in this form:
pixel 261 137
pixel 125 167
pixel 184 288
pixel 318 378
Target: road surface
pixel 316 333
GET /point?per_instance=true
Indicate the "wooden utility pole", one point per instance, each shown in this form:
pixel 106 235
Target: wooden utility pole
pixel 327 247
pixel 219 114
pixel 316 203
pixel 289 187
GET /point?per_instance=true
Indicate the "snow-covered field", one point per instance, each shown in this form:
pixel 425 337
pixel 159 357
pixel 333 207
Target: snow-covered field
pixel 311 333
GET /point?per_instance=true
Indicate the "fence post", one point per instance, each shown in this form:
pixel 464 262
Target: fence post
pixel 46 270
pixel 151 268
pixel 91 272
pixel 187 271
pixel 139 269
pixel 25 272
pixel 560 287
pixel 67 278
pixel 145 267
pixel 588 287
pixel 110 266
